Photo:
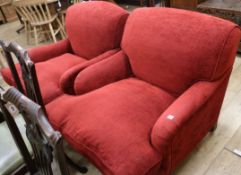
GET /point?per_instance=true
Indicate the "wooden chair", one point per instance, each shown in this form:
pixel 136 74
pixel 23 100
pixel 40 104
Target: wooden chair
pixel 23 20
pixel 46 143
pixel 77 1
pixel 63 12
pixel 30 81
pixel 37 12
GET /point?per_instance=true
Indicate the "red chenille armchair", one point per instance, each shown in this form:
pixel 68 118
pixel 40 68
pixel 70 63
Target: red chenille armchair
pixel 94 32
pixel 145 108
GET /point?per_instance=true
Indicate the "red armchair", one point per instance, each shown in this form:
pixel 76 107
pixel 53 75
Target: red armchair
pixel 145 108
pixel 94 32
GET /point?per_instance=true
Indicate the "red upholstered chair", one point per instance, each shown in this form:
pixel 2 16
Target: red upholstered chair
pixel 94 32
pixel 147 107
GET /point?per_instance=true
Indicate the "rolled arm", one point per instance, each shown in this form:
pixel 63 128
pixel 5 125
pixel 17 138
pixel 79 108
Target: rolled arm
pixel 67 79
pixel 114 68
pixel 178 113
pixel 46 52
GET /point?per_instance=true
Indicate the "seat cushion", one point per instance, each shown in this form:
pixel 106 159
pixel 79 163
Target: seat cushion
pixel 112 125
pixel 49 73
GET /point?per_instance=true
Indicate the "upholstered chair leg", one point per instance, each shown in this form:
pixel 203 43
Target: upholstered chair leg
pixel 214 127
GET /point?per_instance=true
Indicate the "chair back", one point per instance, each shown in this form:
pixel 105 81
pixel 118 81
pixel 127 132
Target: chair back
pixel 45 141
pixel 17 137
pixel 174 49
pixel 29 76
pixel 94 27
pixel 19 12
pixel 77 1
pixel 37 12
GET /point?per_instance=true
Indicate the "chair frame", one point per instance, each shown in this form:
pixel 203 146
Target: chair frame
pixel 38 13
pixel 45 141
pixel 18 139
pixel 30 79
pixel 28 71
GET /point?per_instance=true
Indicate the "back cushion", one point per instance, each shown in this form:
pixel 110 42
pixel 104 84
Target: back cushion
pixel 174 48
pixel 94 27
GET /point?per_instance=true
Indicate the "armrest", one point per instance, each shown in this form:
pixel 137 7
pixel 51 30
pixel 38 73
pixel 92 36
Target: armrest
pixel 43 53
pixel 180 111
pixel 67 79
pixel 114 68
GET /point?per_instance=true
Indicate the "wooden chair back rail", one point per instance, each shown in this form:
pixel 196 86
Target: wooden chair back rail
pixel 28 71
pixel 45 141
pixel 18 138
pixel 77 1
pixel 36 11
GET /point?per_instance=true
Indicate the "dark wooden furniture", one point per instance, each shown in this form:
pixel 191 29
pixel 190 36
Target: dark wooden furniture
pixel 29 165
pixel 227 9
pixel 45 141
pixel 31 85
pixel 185 4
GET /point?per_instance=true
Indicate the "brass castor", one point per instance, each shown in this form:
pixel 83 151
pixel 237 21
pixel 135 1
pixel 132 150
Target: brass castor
pixel 214 127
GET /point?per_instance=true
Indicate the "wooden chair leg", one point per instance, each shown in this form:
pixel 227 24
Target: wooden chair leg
pixel 35 35
pixel 27 31
pixel 52 32
pixel 62 31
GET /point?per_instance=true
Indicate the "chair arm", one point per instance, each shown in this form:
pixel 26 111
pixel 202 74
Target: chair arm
pixel 114 68
pixel 43 53
pixel 67 79
pixel 180 111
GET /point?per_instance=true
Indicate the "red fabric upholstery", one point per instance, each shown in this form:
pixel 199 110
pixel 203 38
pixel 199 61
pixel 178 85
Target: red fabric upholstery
pixel 94 32
pixel 112 125
pixel 49 73
pixel 110 70
pixel 174 58
pixel 181 63
pixel 94 27
pixel 67 79
pixel 46 52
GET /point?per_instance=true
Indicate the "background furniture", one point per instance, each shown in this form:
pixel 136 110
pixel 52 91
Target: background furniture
pixel 23 20
pixel 38 14
pixel 12 158
pixel 7 11
pixel 46 143
pixel 55 60
pixel 227 9
pixel 185 4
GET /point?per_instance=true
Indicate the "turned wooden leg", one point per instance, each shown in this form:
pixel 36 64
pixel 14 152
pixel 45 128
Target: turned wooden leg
pixel 52 32
pixel 35 35
pixel 214 127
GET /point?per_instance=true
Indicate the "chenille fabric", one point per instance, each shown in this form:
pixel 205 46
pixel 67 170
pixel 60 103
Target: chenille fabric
pixel 145 108
pixel 94 32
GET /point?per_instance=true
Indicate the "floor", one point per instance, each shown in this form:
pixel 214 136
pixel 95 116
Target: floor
pixel 214 156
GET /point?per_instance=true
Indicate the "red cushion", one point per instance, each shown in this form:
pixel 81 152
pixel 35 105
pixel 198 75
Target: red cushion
pixel 94 27
pixel 178 48
pixel 112 69
pixel 112 125
pixel 49 73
